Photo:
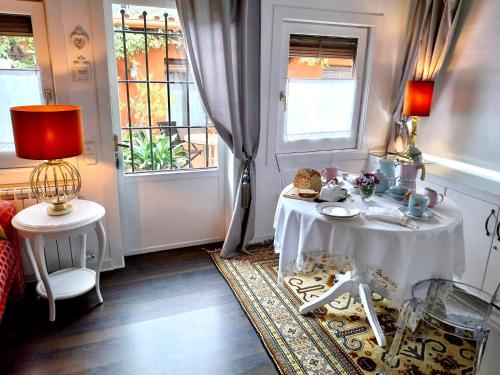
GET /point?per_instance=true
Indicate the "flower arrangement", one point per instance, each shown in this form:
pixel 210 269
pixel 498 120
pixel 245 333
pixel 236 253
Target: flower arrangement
pixel 366 182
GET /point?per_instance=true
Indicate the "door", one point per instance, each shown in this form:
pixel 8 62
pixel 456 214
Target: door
pixel 168 159
pixel 492 276
pixel 479 224
pixel 24 62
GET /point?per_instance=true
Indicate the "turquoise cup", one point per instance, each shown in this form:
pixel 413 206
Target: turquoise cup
pixel 418 204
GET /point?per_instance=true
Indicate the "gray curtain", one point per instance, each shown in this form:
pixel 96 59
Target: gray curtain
pixel 223 44
pixel 428 38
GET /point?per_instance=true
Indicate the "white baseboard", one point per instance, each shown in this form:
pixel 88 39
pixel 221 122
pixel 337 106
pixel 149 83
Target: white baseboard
pixel 152 249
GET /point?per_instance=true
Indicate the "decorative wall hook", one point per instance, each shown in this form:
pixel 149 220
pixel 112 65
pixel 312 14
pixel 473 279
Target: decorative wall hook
pixel 79 37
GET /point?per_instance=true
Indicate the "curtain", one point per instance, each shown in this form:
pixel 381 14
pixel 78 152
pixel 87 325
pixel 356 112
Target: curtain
pixel 223 44
pixel 429 35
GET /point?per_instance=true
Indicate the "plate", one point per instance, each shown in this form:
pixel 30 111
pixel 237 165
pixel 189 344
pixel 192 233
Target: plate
pixel 337 211
pixel 341 198
pixel 425 216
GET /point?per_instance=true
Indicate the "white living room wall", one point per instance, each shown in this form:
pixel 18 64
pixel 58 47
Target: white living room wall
pixel 463 124
pixel 387 51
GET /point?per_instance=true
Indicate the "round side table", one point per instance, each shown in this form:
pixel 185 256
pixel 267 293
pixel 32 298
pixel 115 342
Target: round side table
pixel 34 223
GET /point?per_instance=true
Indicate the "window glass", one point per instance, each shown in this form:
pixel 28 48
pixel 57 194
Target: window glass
pixel 161 113
pixel 321 87
pixel 18 69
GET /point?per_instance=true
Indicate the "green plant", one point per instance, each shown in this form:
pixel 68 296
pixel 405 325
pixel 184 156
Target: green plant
pixel 135 43
pixel 19 51
pixel 161 147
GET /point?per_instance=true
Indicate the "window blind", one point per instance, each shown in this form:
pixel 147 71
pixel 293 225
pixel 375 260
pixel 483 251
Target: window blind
pixel 323 47
pixel 15 25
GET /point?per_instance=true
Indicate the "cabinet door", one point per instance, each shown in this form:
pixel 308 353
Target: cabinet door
pixel 492 276
pixel 477 241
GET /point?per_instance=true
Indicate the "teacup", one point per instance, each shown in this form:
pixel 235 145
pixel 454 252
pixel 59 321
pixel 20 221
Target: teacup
pixel 330 173
pixel 433 197
pixel 418 204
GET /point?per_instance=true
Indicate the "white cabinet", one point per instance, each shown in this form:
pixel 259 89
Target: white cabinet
pixel 492 276
pixel 480 220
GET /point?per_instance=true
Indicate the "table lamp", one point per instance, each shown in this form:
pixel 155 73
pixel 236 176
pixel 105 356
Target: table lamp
pixel 417 103
pixel 51 133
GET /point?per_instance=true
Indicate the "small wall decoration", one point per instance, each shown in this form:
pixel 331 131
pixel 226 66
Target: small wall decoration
pixel 79 37
pixel 81 69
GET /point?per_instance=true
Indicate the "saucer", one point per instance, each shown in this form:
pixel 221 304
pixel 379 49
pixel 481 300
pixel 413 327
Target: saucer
pixel 337 211
pixel 426 215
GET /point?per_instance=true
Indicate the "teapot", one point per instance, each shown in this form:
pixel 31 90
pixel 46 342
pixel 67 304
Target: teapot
pixel 383 184
pixel 388 167
pixel 331 192
pixel 409 175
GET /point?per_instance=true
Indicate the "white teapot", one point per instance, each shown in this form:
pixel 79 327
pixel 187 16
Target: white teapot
pixel 330 192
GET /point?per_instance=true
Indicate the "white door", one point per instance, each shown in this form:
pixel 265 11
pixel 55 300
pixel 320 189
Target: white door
pixel 492 276
pixel 169 172
pixel 479 225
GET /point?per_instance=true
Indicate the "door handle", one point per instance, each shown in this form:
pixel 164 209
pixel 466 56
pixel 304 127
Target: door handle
pixel 283 99
pixel 118 144
pixel 488 221
pixel 498 231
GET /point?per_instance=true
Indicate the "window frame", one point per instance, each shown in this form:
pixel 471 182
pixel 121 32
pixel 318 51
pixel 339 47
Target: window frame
pixel 310 145
pixel 272 69
pixel 119 130
pixel 35 10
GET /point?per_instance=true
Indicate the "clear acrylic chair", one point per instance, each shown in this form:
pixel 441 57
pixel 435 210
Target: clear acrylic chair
pixel 452 307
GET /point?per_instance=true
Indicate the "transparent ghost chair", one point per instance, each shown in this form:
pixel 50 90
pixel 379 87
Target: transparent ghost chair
pixel 451 307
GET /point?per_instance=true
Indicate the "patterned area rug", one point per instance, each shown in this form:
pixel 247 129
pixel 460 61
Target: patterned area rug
pixel 336 339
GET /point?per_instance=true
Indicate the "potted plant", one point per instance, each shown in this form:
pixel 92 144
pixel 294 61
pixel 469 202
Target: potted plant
pixel 366 182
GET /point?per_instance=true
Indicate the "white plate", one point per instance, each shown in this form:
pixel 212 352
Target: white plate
pixel 337 211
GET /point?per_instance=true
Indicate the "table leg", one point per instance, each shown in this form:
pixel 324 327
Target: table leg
pixel 355 283
pixel 366 299
pixel 101 239
pixel 344 284
pixel 83 250
pixel 40 260
pixel 31 258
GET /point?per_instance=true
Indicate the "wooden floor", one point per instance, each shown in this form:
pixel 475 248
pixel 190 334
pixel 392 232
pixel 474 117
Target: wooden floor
pixel 165 313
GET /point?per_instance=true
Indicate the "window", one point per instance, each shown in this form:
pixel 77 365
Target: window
pixel 321 92
pixel 321 87
pixel 161 114
pixel 24 68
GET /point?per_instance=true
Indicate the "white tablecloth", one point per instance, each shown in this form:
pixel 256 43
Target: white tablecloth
pixel 405 255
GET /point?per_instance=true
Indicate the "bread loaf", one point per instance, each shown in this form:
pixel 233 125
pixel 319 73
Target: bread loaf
pixel 307 178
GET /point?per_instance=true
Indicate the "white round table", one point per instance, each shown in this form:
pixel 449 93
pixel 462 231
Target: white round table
pixel 404 255
pixel 34 223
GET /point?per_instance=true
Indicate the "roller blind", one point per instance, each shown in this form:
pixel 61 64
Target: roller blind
pixel 15 25
pixel 323 47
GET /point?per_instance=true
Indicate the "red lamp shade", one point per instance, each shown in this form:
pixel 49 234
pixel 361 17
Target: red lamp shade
pixel 44 132
pixel 418 98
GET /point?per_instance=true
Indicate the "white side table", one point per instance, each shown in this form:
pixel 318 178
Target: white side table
pixel 34 223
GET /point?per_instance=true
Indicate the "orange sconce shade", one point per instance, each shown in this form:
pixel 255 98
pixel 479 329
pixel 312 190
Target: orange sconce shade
pixel 45 132
pixel 418 98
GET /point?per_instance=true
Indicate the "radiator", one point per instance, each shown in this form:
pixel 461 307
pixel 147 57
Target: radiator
pixel 58 254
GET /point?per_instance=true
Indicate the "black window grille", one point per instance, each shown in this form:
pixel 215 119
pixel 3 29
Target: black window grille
pixel 159 143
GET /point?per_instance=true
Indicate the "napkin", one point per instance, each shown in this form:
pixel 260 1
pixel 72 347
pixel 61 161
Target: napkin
pixel 391 215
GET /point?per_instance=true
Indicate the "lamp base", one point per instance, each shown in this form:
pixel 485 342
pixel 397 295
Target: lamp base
pixel 59 209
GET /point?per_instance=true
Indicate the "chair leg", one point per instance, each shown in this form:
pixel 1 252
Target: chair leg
pixel 480 346
pixel 406 316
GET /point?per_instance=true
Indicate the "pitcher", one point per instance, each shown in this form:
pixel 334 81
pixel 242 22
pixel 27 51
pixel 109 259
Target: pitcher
pixel 388 167
pixel 409 175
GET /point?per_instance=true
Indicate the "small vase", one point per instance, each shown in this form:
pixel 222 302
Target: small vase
pixel 367 193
